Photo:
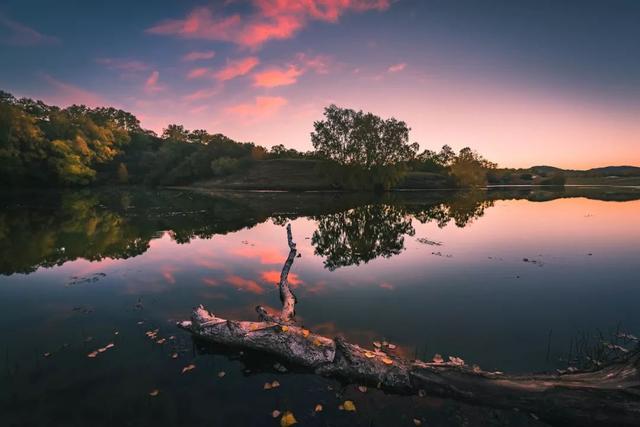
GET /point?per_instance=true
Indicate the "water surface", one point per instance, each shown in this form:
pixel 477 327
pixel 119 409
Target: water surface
pixel 508 279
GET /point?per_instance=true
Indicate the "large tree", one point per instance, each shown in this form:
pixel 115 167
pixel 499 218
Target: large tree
pixel 356 138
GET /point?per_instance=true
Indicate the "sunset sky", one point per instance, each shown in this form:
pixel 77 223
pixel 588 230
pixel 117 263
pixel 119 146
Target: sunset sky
pixel 523 82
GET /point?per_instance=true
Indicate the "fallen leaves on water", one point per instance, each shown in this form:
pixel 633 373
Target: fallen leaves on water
pixel 387 361
pixel 116 333
pixel 369 355
pixel 317 342
pixel 174 356
pixel 161 341
pixel 348 405
pixel 362 388
pixel 284 328
pixel 92 354
pixel 377 344
pixel 305 332
pixel 188 368
pixel 391 346
pixel 221 374
pixel 275 413
pixel 154 393
pixel 269 386
pixel 417 421
pixel 437 358
pixel 108 346
pixel 422 393
pixel 288 419
pixel 47 354
pixel 318 408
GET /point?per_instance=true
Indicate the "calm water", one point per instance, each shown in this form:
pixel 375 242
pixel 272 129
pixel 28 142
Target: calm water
pixel 429 271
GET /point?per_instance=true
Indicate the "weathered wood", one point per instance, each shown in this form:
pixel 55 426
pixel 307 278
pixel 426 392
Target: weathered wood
pixel 607 396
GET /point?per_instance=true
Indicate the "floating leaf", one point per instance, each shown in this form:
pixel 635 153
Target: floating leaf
pixel 384 343
pixel 284 328
pixel 47 354
pixel 387 361
pixel 154 393
pixel 161 341
pixel 288 419
pixel 456 361
pixel 377 344
pixel 348 405
pixel 417 421
pixel 267 386
pixel 275 384
pixel 362 388
pixel 92 354
pixel 116 333
pixel 174 356
pixel 108 346
pixel 392 346
pixel 318 408
pixel 188 368
pixel 305 332
pixel 221 374
pixel 437 358
pixel 369 355
pixel 275 413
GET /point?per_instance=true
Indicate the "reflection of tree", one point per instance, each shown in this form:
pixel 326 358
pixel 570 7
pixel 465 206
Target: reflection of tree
pixel 462 208
pixel 361 234
pixel 47 230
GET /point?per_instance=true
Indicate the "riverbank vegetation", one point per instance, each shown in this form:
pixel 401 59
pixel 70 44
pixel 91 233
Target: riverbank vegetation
pixel 48 146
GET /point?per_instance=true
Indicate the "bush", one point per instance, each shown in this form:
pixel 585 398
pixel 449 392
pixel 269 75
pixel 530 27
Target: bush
pixel 224 166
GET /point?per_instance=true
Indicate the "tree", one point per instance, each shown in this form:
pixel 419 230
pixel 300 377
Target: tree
pixel 123 174
pixel 355 138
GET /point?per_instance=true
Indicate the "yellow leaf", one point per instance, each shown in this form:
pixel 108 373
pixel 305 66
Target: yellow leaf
pixel 305 332
pixel 275 384
pixel 154 393
pixel 288 419
pixel 376 344
pixel 387 361
pixel 417 422
pixel 188 368
pixel 369 355
pixel 275 413
pixel 284 328
pixel 317 342
pixel 363 389
pixel 92 354
pixel 392 346
pixel 318 408
pixel 348 405
pixel 437 358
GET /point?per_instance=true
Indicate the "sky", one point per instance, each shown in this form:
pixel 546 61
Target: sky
pixel 524 83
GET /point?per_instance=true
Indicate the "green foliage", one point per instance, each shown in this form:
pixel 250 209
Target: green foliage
pixel 556 179
pixel 224 166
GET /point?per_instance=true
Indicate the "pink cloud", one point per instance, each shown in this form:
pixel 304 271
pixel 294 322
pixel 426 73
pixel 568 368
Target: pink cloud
pixel 273 276
pixel 152 83
pixel 397 67
pixel 123 64
pixel 264 106
pixel 196 73
pixel 201 94
pixel 270 20
pixel 21 35
pixel 237 68
pixel 65 94
pixel 277 77
pixel 318 64
pixel 198 55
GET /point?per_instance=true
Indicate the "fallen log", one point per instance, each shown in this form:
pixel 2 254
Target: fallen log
pixel 606 396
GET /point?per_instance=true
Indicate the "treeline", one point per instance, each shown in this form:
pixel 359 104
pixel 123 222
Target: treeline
pixel 44 145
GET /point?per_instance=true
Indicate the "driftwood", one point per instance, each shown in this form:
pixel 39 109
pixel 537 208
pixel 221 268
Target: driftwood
pixel 607 396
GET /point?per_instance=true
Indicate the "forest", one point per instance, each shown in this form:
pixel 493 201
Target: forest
pixel 47 146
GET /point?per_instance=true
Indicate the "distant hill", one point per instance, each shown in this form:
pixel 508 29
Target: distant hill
pixel 601 171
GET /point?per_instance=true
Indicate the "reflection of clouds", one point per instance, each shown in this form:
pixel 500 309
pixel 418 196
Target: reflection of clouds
pixel 210 281
pixel 265 255
pixel 273 276
pixel 243 284
pixel 386 285
pixel 168 271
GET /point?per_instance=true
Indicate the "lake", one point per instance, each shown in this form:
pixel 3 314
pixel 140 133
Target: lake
pixel 512 279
